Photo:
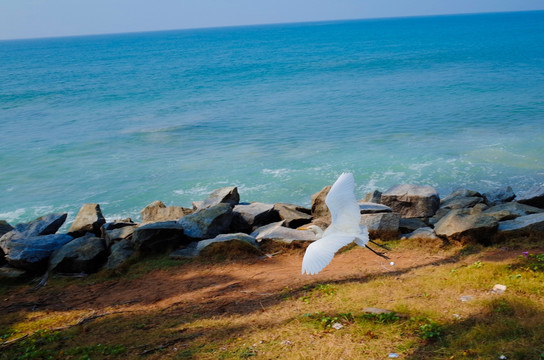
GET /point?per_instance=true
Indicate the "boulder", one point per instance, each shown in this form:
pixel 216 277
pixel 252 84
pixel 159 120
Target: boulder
pixel 4 227
pixel 373 197
pixel 499 196
pixel 85 254
pixel 461 193
pixel 381 223
pixel 8 272
pixel 319 207
pixel 461 202
pixel 373 208
pixel 533 197
pixel 120 252
pixel 44 225
pixel 440 213
pixel 234 240
pixel 89 219
pixel 463 224
pixel 511 210
pixel 226 195
pixel 207 223
pixel 523 224
pixel 32 253
pixel 293 215
pixel 410 225
pixel 247 217
pixel 412 200
pixel 156 237
pixel 116 224
pixel 425 233
pixel 158 212
pixel 121 233
pixel 279 233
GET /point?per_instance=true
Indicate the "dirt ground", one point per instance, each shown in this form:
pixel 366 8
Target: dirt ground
pixel 229 287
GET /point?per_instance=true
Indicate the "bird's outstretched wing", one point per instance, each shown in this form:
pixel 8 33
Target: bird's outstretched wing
pixel 320 253
pixel 345 213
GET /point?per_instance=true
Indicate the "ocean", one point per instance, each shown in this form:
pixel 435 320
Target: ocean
pixel 277 110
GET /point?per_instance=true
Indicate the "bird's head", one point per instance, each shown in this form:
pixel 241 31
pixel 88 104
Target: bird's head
pixel 313 228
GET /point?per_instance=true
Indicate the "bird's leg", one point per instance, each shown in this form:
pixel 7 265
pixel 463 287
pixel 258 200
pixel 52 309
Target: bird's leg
pixel 377 253
pixel 382 246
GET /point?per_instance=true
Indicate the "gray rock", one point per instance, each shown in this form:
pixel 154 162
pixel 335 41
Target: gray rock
pixel 373 208
pixel 116 224
pixel 293 215
pixel 9 272
pixel 319 207
pixel 381 222
pixel 511 210
pixel 89 219
pixel 120 252
pixel 412 200
pixel 4 227
pixel 156 237
pixel 533 197
pixel 522 224
pixel 425 233
pixel 194 249
pixel 499 196
pixel 201 245
pixel 158 212
pixel 247 217
pixel 463 193
pixel 373 197
pixel 32 253
pixel 121 233
pixel 207 223
pixel 440 213
pixel 226 195
pixel 463 224
pixel 85 254
pixel 410 225
pixel 279 233
pixel 44 225
pixel 461 202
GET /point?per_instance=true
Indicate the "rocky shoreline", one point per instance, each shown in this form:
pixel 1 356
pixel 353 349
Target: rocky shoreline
pixel 407 211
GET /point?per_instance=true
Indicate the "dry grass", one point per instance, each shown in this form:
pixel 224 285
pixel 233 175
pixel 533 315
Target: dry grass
pixel 294 319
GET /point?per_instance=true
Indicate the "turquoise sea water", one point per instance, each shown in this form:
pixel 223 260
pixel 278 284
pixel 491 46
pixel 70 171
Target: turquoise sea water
pixel 280 111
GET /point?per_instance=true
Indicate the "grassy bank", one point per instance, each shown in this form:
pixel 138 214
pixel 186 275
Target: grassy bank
pixel 441 308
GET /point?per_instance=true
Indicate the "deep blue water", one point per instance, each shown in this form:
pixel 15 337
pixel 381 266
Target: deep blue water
pixel 280 111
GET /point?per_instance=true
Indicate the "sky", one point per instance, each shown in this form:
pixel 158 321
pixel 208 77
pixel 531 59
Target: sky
pixel 49 18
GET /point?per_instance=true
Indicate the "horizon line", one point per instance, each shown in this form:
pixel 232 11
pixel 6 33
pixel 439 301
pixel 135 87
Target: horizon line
pixel 260 24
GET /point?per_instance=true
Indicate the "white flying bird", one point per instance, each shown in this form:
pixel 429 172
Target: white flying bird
pixel 345 227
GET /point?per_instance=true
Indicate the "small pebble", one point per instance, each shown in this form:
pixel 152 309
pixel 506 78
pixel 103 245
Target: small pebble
pixel 392 263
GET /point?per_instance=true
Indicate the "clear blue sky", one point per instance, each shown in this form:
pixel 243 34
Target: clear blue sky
pixel 45 18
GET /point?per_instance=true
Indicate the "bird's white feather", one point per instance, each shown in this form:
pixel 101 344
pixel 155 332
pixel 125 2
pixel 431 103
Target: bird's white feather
pixel 344 228
pixel 320 253
pixel 344 209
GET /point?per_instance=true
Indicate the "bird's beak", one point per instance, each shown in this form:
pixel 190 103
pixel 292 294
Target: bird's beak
pixel 303 227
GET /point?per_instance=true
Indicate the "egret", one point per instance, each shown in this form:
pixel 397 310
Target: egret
pixel 345 227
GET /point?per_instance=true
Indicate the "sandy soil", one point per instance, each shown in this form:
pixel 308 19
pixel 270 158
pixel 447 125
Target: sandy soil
pixel 229 287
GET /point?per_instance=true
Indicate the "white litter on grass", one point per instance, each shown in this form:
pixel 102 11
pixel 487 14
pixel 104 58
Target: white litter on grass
pixel 337 326
pixel 498 289
pixel 393 355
